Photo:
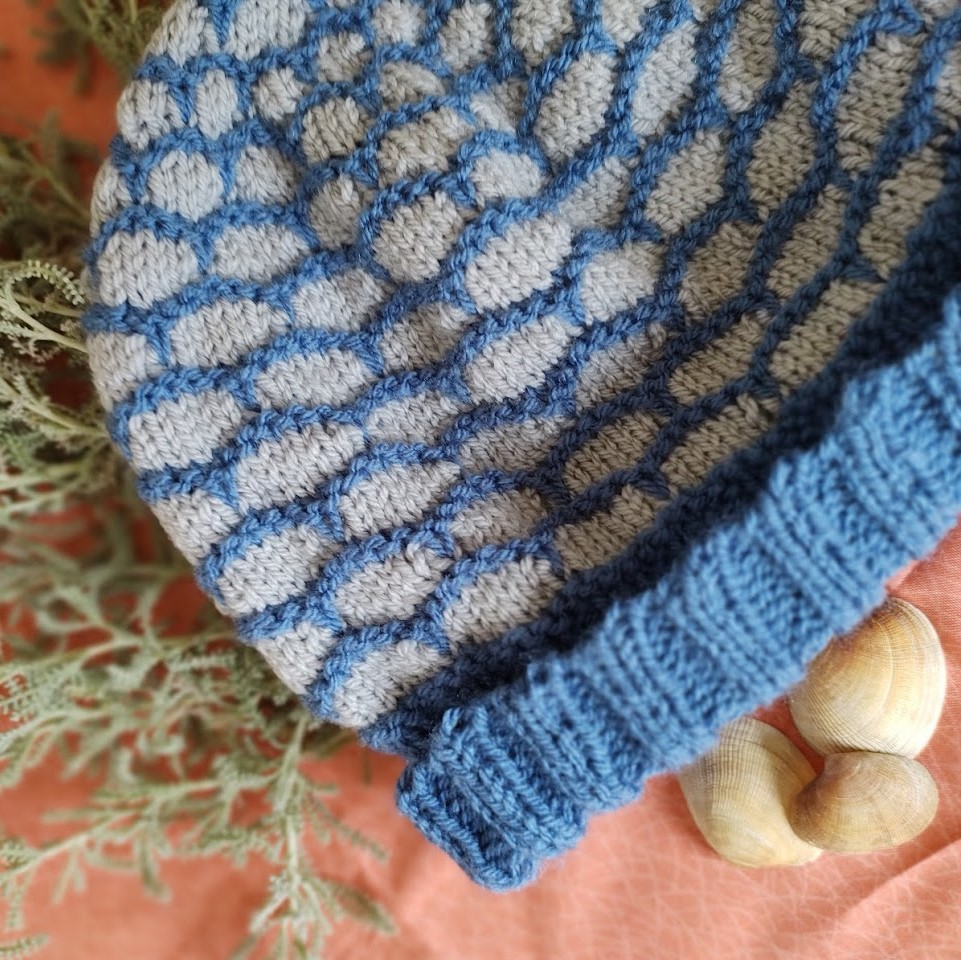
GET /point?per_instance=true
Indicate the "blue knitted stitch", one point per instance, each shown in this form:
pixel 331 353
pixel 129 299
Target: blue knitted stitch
pixel 511 371
pixel 731 625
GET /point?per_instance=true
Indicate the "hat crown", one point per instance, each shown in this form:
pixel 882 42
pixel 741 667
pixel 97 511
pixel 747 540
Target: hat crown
pixel 422 322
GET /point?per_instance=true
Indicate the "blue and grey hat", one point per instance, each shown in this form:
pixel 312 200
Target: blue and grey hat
pixel 538 384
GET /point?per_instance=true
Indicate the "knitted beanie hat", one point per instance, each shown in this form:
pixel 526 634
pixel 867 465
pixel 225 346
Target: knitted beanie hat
pixel 538 384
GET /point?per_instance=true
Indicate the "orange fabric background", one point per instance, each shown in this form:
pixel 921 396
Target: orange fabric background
pixel 642 884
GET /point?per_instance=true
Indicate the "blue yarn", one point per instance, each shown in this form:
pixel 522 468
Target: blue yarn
pixel 715 606
pixel 728 628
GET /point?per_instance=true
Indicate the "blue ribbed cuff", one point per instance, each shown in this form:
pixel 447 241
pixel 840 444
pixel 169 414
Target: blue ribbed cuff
pixel 511 779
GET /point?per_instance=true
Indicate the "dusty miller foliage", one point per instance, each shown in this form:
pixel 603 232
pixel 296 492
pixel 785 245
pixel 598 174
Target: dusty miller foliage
pixel 186 730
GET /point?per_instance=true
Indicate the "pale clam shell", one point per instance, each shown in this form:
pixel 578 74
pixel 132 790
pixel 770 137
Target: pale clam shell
pixel 881 688
pixel 739 793
pixel 864 802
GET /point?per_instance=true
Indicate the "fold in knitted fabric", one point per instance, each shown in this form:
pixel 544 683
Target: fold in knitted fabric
pixel 538 385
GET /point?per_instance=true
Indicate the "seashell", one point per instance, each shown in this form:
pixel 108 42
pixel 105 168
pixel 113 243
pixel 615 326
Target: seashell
pixel 879 689
pixel 739 793
pixel 864 802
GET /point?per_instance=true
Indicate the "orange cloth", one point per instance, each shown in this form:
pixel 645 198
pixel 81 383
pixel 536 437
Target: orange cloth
pixel 642 884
